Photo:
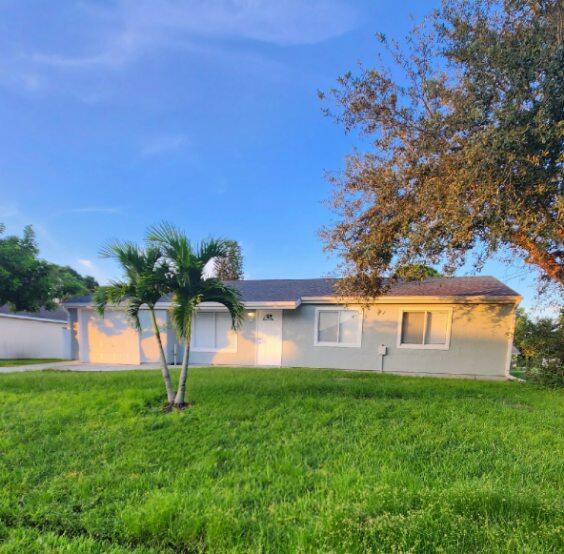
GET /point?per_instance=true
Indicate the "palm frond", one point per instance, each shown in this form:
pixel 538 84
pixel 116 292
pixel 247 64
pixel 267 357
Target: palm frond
pixel 175 244
pixel 121 251
pixel 153 256
pixel 211 248
pixel 132 309
pixel 115 293
pixel 100 299
pixel 184 272
pixel 214 290
pixel 178 254
pixel 182 313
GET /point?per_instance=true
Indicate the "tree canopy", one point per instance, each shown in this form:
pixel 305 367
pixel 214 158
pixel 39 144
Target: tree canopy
pixel 28 282
pixel 540 340
pixel 466 157
pixel 416 272
pixel 229 266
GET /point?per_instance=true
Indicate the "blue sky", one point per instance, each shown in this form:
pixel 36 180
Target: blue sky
pixel 119 114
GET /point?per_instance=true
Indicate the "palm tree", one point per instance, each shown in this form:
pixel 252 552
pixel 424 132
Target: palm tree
pixel 190 287
pixel 146 278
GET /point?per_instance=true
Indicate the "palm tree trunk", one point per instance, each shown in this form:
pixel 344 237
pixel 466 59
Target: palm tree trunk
pixel 164 367
pixel 179 401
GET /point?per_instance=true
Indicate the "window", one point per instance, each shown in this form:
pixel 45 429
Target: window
pixel 424 329
pixel 337 327
pixel 212 333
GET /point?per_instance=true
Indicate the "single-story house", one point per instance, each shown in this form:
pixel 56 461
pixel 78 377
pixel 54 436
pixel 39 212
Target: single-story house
pixel 457 326
pixel 41 334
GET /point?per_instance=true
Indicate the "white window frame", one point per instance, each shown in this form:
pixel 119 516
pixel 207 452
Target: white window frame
pixel 193 348
pixel 339 309
pixel 445 346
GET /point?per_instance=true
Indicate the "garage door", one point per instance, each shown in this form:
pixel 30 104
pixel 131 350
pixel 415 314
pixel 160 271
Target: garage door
pixel 109 340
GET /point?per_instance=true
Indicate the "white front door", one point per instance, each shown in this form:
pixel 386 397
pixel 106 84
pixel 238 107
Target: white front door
pixel 269 337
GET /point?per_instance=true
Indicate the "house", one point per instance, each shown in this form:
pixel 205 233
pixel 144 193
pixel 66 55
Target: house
pixel 42 334
pixel 458 326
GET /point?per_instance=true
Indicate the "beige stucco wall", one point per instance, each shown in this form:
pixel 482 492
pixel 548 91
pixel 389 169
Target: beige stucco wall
pixel 246 350
pixel 109 339
pixel 148 345
pixel 112 339
pixel 479 342
pixel 480 335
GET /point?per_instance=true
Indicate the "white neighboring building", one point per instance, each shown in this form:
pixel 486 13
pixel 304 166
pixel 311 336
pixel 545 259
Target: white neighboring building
pixel 42 334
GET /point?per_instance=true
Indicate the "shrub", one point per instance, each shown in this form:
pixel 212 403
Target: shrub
pixel 549 373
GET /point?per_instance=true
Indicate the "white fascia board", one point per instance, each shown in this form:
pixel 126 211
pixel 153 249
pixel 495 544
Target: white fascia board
pixel 292 305
pixel 89 305
pixel 413 300
pixel 277 305
pixel 282 305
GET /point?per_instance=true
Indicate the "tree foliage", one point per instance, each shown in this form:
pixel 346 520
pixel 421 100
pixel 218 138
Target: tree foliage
pixel 539 340
pixel 414 272
pixel 467 145
pixel 541 347
pixel 67 282
pixel 28 282
pixel 230 266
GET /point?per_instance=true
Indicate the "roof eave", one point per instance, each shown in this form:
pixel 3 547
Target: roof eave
pixel 483 299
pixel 32 318
pixel 292 305
pixel 254 305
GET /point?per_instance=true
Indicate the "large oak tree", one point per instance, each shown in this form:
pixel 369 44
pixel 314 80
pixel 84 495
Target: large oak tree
pixel 466 141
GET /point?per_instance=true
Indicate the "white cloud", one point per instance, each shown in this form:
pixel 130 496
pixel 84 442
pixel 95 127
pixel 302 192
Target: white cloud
pixel 142 25
pixel 84 265
pixel 282 22
pixel 92 210
pixel 88 40
pixel 162 144
pixel 122 47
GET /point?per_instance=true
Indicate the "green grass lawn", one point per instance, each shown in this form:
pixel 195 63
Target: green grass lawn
pixel 520 373
pixel 282 460
pixel 27 361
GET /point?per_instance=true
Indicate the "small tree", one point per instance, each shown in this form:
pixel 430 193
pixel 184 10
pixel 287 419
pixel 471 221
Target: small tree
pixel 467 145
pixel 414 272
pixel 67 282
pixel 541 348
pixel 24 279
pixel 145 282
pixel 190 288
pixel 230 266
pixel 30 283
pixel 541 340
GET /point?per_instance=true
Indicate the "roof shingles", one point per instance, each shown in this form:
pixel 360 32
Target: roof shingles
pixel 293 290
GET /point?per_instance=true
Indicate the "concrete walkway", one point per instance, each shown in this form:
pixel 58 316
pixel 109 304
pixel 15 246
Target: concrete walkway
pixel 77 366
